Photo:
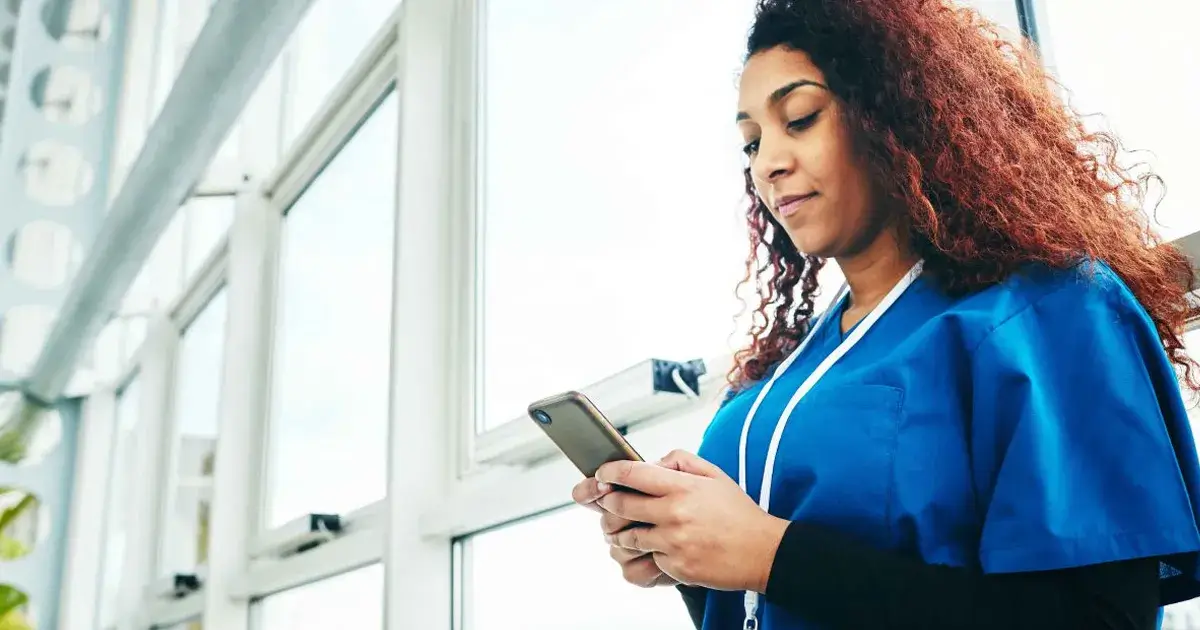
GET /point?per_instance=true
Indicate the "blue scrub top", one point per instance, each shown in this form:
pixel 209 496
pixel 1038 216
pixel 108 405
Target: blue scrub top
pixel 1034 425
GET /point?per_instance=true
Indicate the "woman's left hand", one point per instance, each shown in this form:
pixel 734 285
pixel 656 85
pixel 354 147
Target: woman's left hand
pixel 700 526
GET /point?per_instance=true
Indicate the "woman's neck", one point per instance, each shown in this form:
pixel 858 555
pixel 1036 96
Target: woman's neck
pixel 871 274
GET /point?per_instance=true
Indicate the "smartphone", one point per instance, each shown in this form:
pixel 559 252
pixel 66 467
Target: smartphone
pixel 581 432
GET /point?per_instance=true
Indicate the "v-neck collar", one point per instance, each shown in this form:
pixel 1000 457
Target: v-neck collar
pixel 835 323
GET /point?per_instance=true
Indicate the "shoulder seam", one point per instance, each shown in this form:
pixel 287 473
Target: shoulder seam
pixel 1102 287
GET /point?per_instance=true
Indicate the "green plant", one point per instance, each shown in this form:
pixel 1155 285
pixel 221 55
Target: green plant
pixel 11 549
pixel 11 602
pixel 16 435
pixel 14 620
pixel 13 446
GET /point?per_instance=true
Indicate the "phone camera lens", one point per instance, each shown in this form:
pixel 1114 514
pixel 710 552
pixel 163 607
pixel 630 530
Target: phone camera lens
pixel 541 416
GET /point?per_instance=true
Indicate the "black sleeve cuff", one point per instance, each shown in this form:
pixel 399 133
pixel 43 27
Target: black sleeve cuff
pixel 832 579
pixel 694 597
pixel 814 565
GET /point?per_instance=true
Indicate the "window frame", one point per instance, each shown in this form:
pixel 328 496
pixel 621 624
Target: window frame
pixel 625 397
pixel 204 291
pixel 351 105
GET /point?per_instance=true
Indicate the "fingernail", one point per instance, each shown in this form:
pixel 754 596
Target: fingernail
pixel 603 487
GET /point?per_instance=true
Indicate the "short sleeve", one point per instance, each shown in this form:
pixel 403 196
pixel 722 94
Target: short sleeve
pixel 1081 448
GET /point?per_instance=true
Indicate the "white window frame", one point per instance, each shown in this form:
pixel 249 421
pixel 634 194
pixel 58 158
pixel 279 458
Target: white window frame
pixel 205 285
pixel 626 398
pixel 353 101
pixel 355 97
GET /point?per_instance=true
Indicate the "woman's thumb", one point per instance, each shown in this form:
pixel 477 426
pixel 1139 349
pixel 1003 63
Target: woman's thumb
pixel 686 462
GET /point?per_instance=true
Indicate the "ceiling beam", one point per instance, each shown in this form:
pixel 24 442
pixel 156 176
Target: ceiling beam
pixel 232 53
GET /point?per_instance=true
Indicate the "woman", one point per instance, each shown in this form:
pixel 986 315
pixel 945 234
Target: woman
pixel 986 430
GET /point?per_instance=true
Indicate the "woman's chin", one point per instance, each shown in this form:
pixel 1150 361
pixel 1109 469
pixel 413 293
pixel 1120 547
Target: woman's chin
pixel 811 242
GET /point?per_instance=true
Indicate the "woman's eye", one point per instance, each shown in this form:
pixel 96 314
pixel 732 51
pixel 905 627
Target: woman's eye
pixel 801 124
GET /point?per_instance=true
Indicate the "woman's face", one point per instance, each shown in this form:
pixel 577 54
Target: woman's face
pixel 802 156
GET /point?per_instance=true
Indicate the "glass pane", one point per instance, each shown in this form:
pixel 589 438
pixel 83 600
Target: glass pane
pixel 116 520
pixel 507 580
pixel 1090 41
pixel 179 24
pixel 332 350
pixel 197 407
pixel 161 279
pixel 324 47
pixel 351 600
pixel 586 185
pixel 208 220
pixel 1182 616
pixel 1002 12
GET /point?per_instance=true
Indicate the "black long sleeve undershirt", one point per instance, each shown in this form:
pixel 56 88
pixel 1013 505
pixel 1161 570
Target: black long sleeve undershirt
pixel 837 582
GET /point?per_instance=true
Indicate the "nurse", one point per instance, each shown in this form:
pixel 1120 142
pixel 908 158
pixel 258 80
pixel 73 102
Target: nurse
pixel 986 428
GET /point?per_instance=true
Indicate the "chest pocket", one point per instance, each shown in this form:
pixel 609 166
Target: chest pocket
pixel 835 462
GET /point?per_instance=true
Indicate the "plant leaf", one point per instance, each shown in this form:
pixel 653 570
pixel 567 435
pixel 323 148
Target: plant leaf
pixel 9 516
pixel 11 599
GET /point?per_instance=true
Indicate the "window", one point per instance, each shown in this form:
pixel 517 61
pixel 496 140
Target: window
pixel 184 246
pixel 179 24
pixel 351 600
pixel 1002 12
pixel 511 585
pixel 1136 68
pixel 161 279
pixel 207 222
pixel 609 235
pixel 324 47
pixel 120 485
pixel 194 441
pixel 332 350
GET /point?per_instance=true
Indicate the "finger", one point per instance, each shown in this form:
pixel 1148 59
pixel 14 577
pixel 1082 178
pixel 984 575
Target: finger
pixel 692 464
pixel 642 476
pixel 645 539
pixel 623 555
pixel 633 507
pixel 587 491
pixel 669 570
pixel 611 523
pixel 642 572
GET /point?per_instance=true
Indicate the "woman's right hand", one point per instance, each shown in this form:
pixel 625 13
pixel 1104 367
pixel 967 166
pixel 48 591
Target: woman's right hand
pixel 638 567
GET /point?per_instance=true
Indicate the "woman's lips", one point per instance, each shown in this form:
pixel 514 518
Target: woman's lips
pixel 791 204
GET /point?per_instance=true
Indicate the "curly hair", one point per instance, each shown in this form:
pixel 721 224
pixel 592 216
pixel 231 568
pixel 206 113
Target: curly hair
pixel 965 131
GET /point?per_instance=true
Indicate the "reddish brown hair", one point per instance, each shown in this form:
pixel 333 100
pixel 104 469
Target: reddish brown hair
pixel 966 132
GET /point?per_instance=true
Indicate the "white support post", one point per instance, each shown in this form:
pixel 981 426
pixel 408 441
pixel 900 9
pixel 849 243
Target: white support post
pixel 253 248
pixel 418 569
pixel 89 499
pixel 156 384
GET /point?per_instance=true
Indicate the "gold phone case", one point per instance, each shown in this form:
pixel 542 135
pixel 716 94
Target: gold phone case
pixel 581 431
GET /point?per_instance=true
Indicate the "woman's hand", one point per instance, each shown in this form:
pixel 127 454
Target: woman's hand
pixel 699 526
pixel 638 567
